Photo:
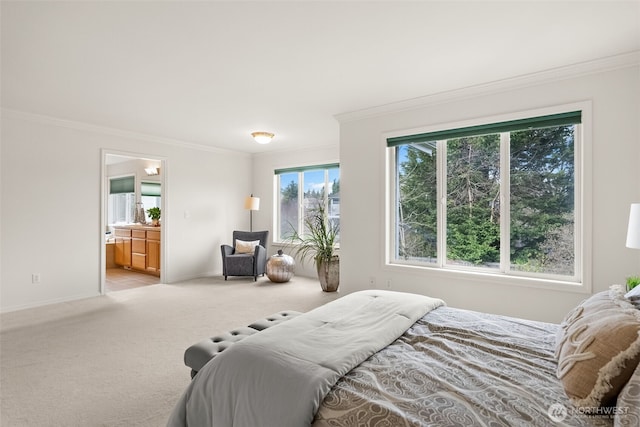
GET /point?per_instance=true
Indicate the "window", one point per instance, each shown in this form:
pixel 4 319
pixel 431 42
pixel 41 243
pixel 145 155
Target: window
pixel 150 195
pixel 498 198
pixel 122 200
pixel 300 190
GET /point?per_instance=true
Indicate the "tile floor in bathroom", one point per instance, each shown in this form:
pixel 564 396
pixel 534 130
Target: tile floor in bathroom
pixel 118 279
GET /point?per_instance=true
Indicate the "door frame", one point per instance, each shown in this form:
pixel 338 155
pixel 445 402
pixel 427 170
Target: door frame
pixel 104 195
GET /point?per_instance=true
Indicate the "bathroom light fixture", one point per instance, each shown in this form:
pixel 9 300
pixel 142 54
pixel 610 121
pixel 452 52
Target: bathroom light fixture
pixel 262 137
pixel 152 171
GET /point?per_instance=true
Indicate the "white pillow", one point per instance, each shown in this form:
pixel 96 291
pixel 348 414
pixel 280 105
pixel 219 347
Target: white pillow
pixel 635 292
pixel 243 247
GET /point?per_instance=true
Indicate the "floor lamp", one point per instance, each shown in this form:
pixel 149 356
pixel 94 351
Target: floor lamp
pixel 252 204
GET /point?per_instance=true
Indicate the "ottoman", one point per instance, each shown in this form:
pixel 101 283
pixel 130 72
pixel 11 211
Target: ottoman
pixel 200 353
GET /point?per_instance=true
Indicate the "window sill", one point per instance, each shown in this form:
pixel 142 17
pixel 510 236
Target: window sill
pixel 495 279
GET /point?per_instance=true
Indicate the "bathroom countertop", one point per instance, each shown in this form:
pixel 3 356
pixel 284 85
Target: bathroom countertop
pixel 138 227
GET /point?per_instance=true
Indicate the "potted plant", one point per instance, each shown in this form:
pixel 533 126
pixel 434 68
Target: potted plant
pixel 319 242
pixel 632 282
pixel 154 214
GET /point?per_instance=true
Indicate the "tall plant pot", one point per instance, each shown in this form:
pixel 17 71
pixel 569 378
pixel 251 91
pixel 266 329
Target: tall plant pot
pixel 329 273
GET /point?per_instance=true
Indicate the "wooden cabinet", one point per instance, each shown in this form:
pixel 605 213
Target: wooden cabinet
pixel 122 251
pixel 153 251
pixel 138 248
pixel 138 261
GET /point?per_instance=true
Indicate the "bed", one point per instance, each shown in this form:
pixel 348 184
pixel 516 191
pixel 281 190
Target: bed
pixel 380 358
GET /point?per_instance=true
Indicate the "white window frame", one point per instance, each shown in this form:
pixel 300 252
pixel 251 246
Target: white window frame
pixel 580 282
pixel 301 210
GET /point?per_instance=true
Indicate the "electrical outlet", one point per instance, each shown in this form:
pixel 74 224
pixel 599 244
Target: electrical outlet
pixel 388 283
pixel 35 277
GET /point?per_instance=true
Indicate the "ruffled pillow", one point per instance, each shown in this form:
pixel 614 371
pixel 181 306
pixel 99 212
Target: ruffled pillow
pixel 598 348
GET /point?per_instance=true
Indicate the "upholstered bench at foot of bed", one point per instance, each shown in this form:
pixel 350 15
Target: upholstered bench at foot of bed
pixel 201 352
pixel 274 319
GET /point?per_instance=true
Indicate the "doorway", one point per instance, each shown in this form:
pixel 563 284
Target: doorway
pixel 132 245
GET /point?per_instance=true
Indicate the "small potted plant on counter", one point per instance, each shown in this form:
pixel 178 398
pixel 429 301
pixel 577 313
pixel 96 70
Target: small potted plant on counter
pixel 154 214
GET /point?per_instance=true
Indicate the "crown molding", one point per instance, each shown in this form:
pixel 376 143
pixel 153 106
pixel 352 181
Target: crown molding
pixel 105 130
pixel 630 59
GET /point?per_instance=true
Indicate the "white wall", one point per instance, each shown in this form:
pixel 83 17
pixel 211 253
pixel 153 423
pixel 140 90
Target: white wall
pixel 57 232
pixel 51 178
pixel 264 165
pixel 615 97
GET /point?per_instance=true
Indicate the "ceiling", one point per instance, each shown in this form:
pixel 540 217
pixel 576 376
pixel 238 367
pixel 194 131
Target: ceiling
pixel 212 72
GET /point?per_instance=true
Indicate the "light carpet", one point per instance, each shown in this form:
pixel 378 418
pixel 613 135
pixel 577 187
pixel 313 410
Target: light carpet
pixel 117 360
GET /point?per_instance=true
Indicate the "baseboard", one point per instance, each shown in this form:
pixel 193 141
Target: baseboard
pixel 47 302
pixel 179 279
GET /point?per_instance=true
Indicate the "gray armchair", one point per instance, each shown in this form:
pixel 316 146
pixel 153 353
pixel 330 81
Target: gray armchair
pixel 245 264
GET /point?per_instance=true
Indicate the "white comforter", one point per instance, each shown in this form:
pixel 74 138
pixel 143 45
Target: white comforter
pixel 279 377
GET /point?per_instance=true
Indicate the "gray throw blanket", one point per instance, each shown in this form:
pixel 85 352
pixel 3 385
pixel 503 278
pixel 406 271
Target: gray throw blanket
pixel 279 377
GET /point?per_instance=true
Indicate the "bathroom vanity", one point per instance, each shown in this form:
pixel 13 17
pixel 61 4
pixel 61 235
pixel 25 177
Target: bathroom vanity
pixel 138 247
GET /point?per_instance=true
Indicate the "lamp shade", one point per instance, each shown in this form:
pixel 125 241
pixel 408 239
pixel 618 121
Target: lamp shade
pixel 252 203
pixel 633 232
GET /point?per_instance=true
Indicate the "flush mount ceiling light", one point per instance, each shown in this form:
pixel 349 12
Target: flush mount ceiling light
pixel 262 137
